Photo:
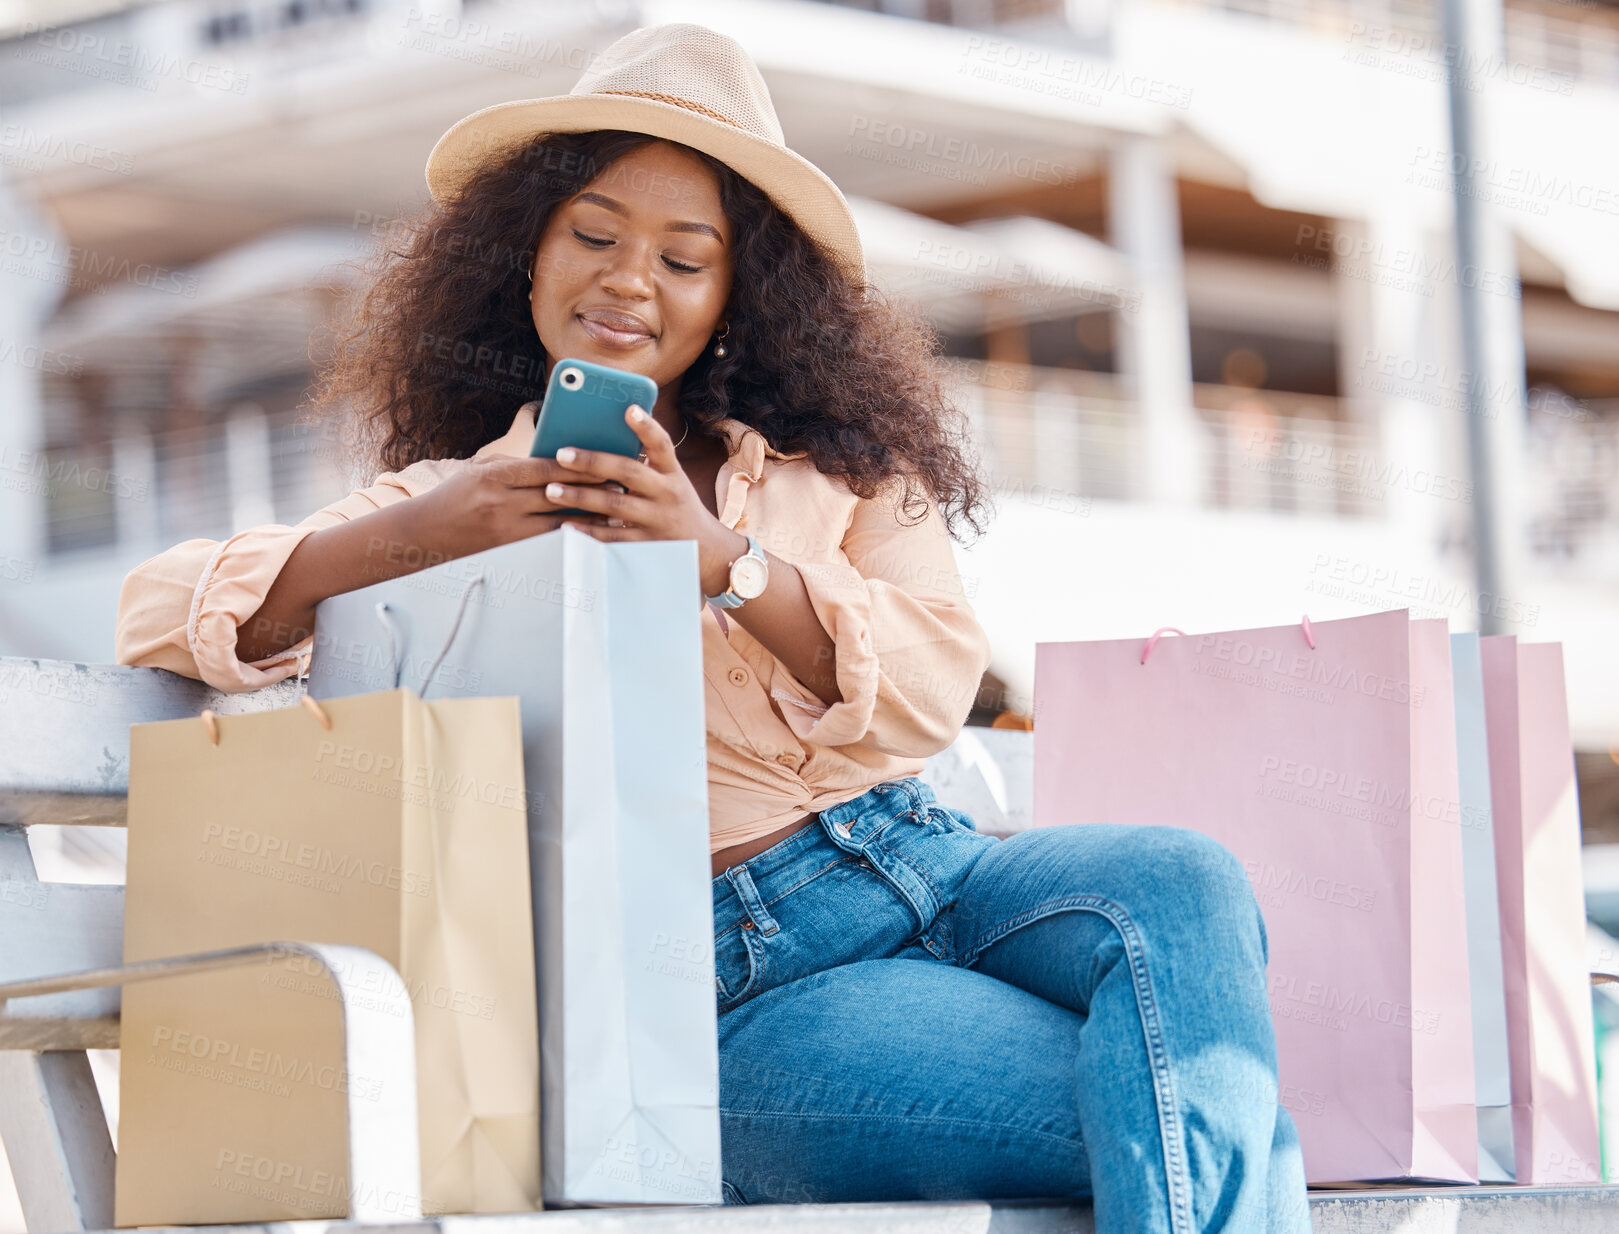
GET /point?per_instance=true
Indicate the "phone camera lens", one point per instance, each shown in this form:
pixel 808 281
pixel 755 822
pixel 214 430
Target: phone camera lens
pixel 572 379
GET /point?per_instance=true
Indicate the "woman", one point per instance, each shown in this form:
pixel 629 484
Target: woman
pixel 908 1009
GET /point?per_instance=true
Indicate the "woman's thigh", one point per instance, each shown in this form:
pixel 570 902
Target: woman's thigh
pixel 899 1079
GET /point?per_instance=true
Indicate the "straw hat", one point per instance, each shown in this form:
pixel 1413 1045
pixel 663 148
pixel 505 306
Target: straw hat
pixel 682 82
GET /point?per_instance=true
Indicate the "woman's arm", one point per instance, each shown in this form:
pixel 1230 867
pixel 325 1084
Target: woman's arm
pixel 231 613
pixel 483 504
pixel 332 560
pixel 910 652
pixel 782 618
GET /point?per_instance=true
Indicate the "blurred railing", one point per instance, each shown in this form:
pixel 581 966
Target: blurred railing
pixel 1058 438
pixel 1571 476
pixel 1062 438
pixel 1582 42
pixel 1058 435
pixel 1272 450
pixel 1052 435
pixel 138 491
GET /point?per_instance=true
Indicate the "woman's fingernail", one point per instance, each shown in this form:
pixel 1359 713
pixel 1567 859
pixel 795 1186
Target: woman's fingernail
pixel 636 414
pixel 553 490
pixel 566 454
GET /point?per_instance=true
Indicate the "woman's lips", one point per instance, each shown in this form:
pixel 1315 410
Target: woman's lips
pixel 614 335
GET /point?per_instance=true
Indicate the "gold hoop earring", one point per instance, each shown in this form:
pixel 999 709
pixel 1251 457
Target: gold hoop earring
pixel 531 272
pixel 719 345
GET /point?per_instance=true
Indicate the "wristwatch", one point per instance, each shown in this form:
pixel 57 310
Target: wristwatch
pixel 749 574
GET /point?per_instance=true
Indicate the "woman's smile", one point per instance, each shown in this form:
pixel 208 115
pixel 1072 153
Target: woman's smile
pixel 614 328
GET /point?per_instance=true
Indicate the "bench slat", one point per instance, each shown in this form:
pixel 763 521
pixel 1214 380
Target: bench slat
pixel 52 928
pixel 64 732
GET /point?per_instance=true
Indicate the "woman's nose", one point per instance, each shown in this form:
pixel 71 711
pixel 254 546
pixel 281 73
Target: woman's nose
pixel 627 274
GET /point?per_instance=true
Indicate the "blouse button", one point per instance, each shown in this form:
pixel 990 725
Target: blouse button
pixel 739 676
pixel 785 758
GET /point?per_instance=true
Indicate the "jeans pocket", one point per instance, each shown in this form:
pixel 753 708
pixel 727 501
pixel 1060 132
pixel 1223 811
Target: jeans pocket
pixel 738 965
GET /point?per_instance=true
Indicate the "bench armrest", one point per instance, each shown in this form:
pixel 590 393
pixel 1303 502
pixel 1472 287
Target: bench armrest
pixel 379 1039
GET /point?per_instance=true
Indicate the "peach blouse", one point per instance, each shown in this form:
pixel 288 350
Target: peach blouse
pixel 910 651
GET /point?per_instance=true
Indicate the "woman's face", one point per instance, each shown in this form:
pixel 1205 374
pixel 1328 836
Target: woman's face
pixel 634 270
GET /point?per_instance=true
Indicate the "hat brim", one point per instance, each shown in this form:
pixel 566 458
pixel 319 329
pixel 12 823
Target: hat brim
pixel 799 188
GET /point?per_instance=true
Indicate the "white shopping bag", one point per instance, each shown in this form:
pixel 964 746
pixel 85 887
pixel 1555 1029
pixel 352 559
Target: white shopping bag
pixel 1492 1076
pixel 602 645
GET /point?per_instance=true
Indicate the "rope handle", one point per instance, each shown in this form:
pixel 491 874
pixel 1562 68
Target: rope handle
pixel 1309 636
pixel 395 667
pixel 210 721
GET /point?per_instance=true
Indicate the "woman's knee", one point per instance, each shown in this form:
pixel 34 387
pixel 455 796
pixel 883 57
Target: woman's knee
pixel 1151 869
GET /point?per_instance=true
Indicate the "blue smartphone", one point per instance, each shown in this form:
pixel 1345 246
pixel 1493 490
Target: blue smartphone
pixel 584 407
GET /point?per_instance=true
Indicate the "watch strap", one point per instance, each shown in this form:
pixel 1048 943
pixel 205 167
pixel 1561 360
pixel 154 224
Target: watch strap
pixel 728 598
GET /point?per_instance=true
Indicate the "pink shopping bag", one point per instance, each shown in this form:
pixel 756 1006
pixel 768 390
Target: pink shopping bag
pixel 1324 756
pixel 1550 1036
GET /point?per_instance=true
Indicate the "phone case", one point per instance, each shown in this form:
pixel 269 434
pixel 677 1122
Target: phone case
pixel 584 407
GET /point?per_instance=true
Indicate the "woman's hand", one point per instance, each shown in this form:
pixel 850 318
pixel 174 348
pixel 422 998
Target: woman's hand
pixel 659 502
pixel 493 501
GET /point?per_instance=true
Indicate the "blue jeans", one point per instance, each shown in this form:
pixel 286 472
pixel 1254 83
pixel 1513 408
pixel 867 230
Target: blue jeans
pixel 910 1010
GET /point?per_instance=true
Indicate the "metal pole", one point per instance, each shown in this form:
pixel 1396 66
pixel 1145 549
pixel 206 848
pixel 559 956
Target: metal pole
pixel 1459 38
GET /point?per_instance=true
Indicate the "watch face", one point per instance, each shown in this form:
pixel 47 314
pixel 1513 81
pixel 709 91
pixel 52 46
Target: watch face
pixel 748 577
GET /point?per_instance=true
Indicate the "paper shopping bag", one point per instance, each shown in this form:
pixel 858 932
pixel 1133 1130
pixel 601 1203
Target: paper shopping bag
pixel 400 829
pixel 1324 756
pixel 1491 1070
pixel 602 644
pixel 1535 809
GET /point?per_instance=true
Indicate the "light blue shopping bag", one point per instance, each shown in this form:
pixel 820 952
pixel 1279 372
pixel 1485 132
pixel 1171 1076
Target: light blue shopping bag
pixel 603 647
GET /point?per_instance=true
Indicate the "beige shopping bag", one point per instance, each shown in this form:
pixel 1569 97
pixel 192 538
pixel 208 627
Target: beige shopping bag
pixel 402 829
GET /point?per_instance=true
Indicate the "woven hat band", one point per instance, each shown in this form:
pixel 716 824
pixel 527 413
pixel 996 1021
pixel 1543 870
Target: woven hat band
pixel 676 101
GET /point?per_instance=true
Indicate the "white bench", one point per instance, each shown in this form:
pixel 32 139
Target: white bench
pixel 64 759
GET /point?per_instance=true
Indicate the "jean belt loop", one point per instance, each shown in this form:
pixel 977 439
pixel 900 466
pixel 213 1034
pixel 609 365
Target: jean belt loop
pixel 751 900
pixel 918 806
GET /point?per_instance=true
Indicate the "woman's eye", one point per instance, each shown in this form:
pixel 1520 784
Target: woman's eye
pixel 603 241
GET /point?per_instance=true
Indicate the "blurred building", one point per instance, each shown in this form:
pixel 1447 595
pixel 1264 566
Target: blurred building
pixel 1192 261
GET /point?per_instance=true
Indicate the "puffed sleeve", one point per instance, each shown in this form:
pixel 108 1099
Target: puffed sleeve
pixel 180 610
pixel 910 650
